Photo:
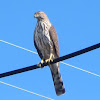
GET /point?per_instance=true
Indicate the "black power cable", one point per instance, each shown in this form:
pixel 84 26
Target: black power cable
pixel 54 61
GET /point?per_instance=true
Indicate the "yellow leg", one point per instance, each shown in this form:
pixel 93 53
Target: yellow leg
pixel 39 64
pixel 50 59
pixel 42 61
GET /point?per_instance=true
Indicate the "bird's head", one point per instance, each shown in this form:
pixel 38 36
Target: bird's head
pixel 40 15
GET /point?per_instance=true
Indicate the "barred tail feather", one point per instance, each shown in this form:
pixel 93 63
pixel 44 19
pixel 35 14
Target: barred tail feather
pixel 58 83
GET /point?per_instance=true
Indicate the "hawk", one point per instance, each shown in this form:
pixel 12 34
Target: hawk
pixel 46 43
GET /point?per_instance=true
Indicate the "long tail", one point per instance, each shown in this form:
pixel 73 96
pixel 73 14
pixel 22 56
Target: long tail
pixel 58 83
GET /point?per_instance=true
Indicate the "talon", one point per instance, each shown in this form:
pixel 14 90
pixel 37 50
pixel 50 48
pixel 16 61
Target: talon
pixel 50 59
pixel 47 60
pixel 40 64
pixel 42 61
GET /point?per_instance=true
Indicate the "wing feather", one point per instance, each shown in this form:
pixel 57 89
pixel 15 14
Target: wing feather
pixel 54 38
pixel 39 52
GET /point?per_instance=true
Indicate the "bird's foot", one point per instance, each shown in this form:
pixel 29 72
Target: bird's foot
pixel 40 64
pixel 50 59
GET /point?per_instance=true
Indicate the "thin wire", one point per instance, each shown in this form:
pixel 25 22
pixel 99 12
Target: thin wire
pixel 19 87
pixel 60 62
pixel 25 90
pixel 18 46
pixel 80 69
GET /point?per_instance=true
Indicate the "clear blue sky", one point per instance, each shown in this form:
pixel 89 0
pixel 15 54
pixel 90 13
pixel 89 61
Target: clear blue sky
pixel 77 23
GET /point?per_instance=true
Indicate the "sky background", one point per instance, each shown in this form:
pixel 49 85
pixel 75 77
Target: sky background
pixel 77 23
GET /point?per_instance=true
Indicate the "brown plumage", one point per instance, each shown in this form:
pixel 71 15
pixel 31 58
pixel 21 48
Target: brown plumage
pixel 46 43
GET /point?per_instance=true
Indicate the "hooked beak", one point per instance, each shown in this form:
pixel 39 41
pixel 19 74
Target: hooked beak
pixel 35 15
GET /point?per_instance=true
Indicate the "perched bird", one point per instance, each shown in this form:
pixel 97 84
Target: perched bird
pixel 46 43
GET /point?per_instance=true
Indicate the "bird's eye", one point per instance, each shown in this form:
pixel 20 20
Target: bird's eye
pixel 41 17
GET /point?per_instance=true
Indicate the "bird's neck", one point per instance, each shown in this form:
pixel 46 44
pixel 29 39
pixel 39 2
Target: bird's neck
pixel 45 22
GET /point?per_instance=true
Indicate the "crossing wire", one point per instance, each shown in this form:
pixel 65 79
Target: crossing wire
pixel 36 53
pixel 55 60
pixel 19 87
pixel 26 90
